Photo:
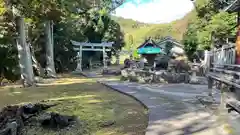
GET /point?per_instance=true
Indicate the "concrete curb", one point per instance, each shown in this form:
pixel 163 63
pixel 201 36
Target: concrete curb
pixel 131 96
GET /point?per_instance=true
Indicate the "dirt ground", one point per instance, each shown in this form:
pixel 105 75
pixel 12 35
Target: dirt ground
pixel 91 102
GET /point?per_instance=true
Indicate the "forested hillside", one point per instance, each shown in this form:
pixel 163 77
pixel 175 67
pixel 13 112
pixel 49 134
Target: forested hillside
pixel 141 31
pixel 194 30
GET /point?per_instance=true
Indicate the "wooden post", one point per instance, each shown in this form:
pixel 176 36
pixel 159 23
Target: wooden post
pixel 211 57
pixel 80 59
pixel 194 74
pixel 79 65
pixel 222 61
pixel 207 58
pixel 104 58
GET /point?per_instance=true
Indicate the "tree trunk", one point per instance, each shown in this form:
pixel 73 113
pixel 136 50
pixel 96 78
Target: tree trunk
pixel 25 61
pixel 51 72
pixel 39 71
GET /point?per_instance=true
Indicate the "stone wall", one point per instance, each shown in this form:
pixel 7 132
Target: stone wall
pixel 142 76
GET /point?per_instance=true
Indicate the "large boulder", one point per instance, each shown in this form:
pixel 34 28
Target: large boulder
pixel 178 66
pixel 141 79
pixel 130 64
pixel 124 75
pixel 133 77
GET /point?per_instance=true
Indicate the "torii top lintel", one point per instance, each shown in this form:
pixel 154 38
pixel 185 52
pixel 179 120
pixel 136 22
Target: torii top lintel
pixel 103 44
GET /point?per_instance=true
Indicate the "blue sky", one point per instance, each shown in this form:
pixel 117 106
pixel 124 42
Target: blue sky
pixel 154 11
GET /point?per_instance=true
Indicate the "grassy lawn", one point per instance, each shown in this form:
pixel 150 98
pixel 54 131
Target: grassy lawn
pixel 91 102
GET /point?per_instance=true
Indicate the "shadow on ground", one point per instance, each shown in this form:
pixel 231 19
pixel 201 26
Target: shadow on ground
pixel 173 109
pixel 92 102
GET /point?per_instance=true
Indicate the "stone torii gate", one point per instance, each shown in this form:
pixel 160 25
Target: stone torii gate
pixel 84 46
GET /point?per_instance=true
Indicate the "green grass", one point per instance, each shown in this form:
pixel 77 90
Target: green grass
pixel 91 102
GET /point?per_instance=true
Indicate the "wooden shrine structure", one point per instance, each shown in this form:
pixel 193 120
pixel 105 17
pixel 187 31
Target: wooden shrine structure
pixel 149 50
pixel 84 46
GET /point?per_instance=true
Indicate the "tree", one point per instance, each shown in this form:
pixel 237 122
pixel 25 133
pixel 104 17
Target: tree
pixel 190 41
pixel 9 68
pixel 25 58
pixel 72 20
pixel 209 20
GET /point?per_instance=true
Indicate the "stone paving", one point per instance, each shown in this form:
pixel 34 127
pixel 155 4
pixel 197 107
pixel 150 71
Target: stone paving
pixel 174 109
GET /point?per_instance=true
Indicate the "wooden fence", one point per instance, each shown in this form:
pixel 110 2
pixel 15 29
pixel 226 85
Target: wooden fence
pixel 226 55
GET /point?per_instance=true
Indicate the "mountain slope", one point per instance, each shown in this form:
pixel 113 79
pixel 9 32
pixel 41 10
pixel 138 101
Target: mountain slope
pixel 141 31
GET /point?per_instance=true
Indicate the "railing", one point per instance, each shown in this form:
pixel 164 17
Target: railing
pixel 225 74
pixel 224 55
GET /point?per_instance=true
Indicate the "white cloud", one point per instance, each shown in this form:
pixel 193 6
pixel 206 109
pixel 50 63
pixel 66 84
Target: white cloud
pixel 156 11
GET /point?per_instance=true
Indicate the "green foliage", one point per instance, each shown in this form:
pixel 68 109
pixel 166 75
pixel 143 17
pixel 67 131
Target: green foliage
pixel 190 41
pixel 135 54
pixel 8 60
pixel 210 22
pixel 222 24
pixel 92 23
pixel 8 63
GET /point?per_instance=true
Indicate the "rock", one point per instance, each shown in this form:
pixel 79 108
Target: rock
pixel 167 76
pixel 157 78
pixel 198 80
pixel 132 73
pixel 13 118
pixel 141 80
pixel 130 64
pixel 35 108
pixel 11 129
pixel 178 66
pixel 194 80
pixel 149 79
pixel 124 73
pixel 175 77
pixel 133 79
pixel 57 121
